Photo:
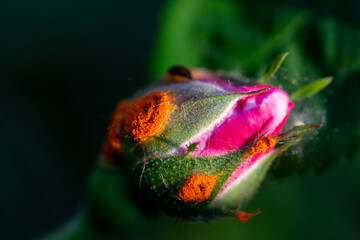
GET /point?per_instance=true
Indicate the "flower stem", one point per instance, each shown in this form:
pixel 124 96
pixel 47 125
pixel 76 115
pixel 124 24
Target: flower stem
pixel 78 227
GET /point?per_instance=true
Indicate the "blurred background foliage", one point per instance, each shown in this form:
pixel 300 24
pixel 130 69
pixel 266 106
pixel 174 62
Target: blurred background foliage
pixel 65 64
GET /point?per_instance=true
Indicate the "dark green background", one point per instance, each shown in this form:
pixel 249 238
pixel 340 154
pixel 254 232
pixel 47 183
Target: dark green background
pixel 65 64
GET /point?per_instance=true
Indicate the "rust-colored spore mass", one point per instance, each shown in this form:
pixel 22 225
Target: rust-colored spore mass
pixel 262 145
pixel 197 188
pixel 112 144
pixel 245 216
pixel 146 116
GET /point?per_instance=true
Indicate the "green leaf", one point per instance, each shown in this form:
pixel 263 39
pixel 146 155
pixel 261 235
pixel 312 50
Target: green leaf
pixel 310 89
pixel 273 66
pixel 286 33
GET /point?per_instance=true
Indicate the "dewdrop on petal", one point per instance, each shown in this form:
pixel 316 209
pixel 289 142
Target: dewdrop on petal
pixel 198 145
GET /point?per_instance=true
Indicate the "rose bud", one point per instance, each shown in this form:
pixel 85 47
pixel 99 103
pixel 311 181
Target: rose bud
pixel 199 145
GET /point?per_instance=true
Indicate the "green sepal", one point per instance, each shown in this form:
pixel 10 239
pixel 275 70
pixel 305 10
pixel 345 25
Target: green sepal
pixel 298 132
pixel 190 118
pixel 273 66
pixel 250 181
pixel 310 89
pixel 245 186
pixel 162 178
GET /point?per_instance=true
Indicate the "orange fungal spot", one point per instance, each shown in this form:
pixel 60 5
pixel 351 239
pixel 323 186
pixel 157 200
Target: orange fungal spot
pixel 112 144
pixel 264 143
pixel 197 187
pixel 245 216
pixel 146 116
pixel 261 146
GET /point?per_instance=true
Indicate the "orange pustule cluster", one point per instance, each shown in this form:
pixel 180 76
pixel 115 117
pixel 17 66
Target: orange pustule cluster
pixel 146 116
pixel 197 188
pixel 112 144
pixel 245 216
pixel 261 146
